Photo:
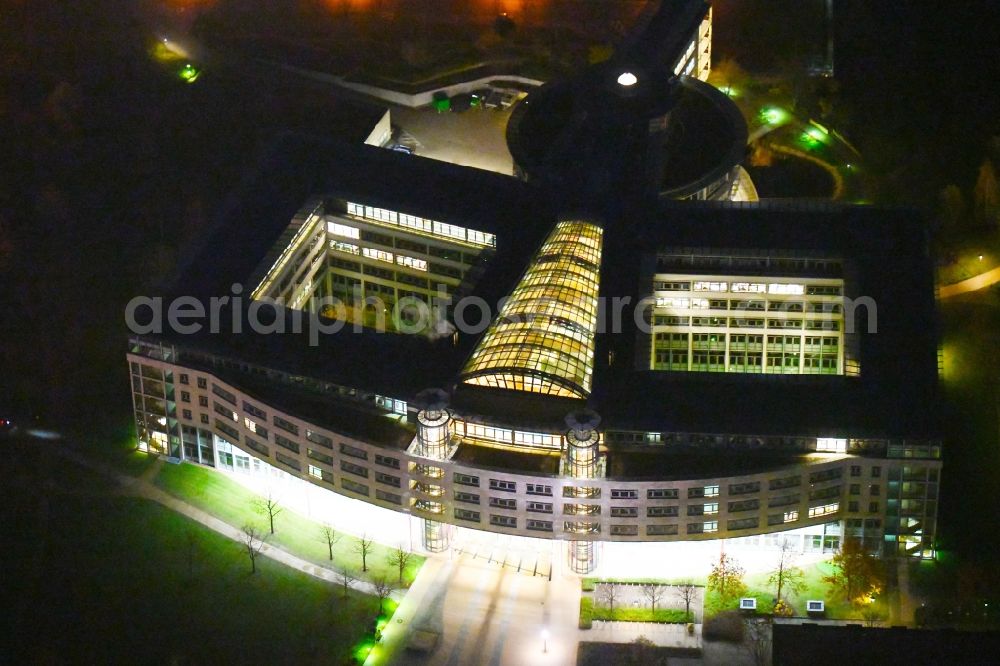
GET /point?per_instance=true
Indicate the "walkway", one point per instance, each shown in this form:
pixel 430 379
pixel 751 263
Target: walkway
pixel 144 488
pixel 974 283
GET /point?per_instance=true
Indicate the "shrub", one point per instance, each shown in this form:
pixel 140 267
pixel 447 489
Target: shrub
pixel 586 613
pixel 588 584
pixel 726 626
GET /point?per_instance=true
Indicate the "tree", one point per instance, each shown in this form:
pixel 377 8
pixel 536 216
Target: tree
pixel 987 194
pixel 399 558
pixel 858 573
pixel 609 594
pixel 758 640
pixel 654 593
pixel 268 507
pixel 786 576
pixel 253 541
pixel 726 577
pixel 951 208
pixel 688 593
pixel 329 536
pixel 345 578
pixel 363 547
pixel 383 589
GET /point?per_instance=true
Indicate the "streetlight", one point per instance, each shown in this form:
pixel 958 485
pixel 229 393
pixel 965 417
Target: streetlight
pixel 545 641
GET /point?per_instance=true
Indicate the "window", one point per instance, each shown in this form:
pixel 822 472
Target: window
pixel 875 490
pixel 744 488
pixel 187 414
pixel 852 507
pixel 353 451
pixel 386 461
pixel 285 425
pixel 624 512
pixel 254 410
pixel 337 229
pixel 202 383
pixel 660 530
pixel 743 524
pixel 537 489
pixel 625 530
pixel 503 503
pixel 202 401
pixel 351 468
pixel 257 446
pixel 354 486
pixel 224 394
pixel 204 418
pixel 388 479
pixel 855 470
pixel 539 525
pixel 185 396
pixel 184 379
pixel 540 507
pixel 705 491
pixel 465 514
pixel 287 461
pixel 503 521
pixel 506 486
pixel 831 445
pixel 317 438
pixel 855 489
pixel 392 498
pixel 222 410
pixel 466 480
pixel 624 494
pixel 468 498
pixel 661 493
pixel 791 516
pixel 876 472
pixel 254 427
pixel 824 510
pixel 286 443
pixel 744 505
pixel 661 511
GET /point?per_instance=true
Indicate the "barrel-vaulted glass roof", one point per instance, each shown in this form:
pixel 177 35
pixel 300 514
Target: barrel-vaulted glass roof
pixel 543 340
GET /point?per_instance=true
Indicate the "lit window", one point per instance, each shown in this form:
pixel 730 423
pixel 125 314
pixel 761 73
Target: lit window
pixel 831 445
pixel 824 510
pixel 712 491
pixel 380 255
pixel 315 472
pixel 711 526
pixel 349 248
pixel 749 287
pixel 711 286
pixel 711 509
pixel 791 516
pixel 411 262
pixel 782 288
pixel 338 229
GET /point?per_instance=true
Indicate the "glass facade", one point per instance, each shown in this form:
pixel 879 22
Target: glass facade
pixel 543 340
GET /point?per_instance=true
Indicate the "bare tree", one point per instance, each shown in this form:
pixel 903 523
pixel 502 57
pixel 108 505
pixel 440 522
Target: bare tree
pixel 688 592
pixel 654 593
pixel 786 576
pixel 345 578
pixel 383 588
pixel 399 558
pixel 758 640
pixel 268 507
pixel 253 541
pixel 363 547
pixel 329 536
pixel 609 594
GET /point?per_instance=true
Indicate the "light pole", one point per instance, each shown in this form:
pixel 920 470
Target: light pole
pixel 545 641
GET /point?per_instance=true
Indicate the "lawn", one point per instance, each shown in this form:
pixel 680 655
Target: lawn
pixel 668 615
pixel 233 503
pixel 815 588
pixel 114 579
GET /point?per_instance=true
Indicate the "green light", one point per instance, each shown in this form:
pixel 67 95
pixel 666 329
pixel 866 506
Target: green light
pixel 773 115
pixel 189 73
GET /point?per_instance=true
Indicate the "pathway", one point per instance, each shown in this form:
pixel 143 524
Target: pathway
pixel 974 283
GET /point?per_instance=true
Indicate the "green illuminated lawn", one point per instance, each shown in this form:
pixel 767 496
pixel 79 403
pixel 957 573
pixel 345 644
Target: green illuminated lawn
pixel 758 587
pixel 107 579
pixel 231 502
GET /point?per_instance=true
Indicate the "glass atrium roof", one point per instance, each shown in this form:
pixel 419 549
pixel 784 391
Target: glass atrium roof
pixel 543 340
